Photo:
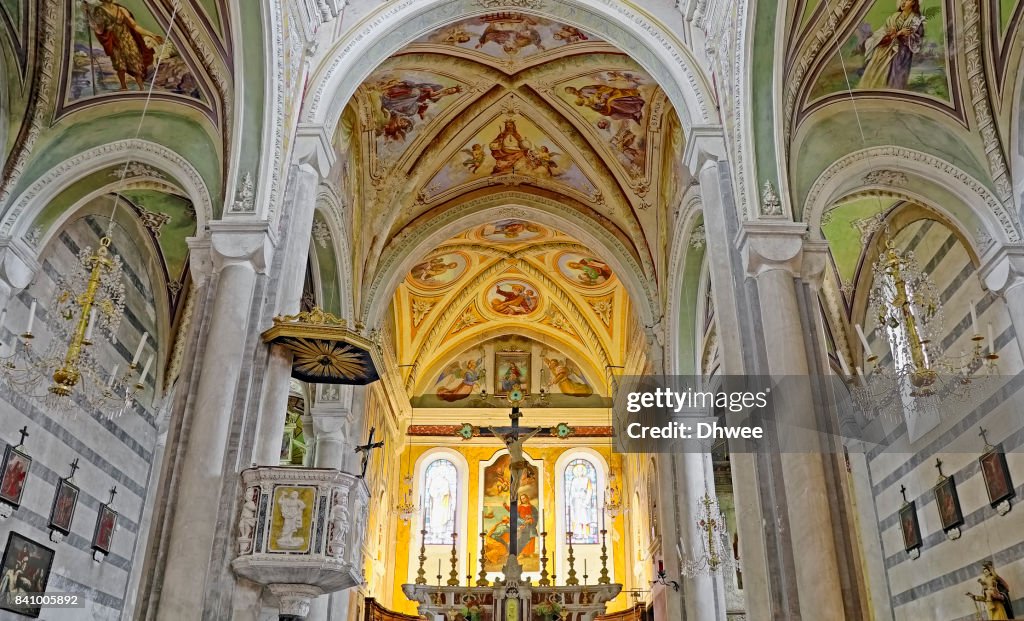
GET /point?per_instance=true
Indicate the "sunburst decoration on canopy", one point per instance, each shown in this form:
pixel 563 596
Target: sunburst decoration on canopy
pixel 325 351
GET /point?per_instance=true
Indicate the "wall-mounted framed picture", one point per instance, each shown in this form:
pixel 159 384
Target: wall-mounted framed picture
pixel 910 526
pixel 13 475
pixel 996 474
pixel 26 564
pixel 512 372
pixel 103 534
pixel 65 500
pixel 948 503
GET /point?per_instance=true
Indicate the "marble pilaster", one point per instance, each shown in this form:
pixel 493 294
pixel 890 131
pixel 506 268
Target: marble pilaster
pixel 18 266
pixel 773 255
pixel 239 251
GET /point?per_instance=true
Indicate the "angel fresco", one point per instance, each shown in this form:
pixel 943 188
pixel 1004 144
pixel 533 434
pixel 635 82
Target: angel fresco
pixel 568 377
pixel 514 32
pixel 402 102
pixel 459 379
pixel 129 46
pixel 513 299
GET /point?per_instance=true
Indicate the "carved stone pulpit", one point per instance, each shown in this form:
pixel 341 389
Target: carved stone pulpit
pixel 300 533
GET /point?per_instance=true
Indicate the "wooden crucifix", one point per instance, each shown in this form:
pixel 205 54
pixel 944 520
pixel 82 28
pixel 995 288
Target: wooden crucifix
pixel 514 437
pixel 365 450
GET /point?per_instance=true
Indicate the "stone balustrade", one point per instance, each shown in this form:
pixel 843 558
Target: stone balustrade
pixel 300 533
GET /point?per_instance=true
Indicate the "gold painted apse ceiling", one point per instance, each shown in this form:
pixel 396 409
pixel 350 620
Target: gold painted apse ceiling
pixel 500 102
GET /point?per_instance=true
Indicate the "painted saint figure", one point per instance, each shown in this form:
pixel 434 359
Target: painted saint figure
pixel 527 525
pixel 568 378
pixel 889 52
pixel 591 271
pixel 403 101
pixel 508 148
pixel 995 593
pixel 429 271
pixel 125 42
pixel 515 300
pixel 610 101
pixel 582 505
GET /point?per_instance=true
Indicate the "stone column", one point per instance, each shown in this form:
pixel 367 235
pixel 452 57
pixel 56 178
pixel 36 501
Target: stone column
pixel 240 251
pixel 773 255
pixel 18 266
pixel 737 350
pixel 1002 272
pixel 315 157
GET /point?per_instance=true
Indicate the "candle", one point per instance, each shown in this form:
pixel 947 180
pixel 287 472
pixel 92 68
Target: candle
pixel 602 512
pixel 860 376
pixel 542 520
pixel 3 317
pixel 974 318
pixel 439 568
pixel 661 566
pixel 113 376
pixel 138 350
pixel 584 569
pixel 31 317
pixel 145 370
pixel 991 341
pixel 863 339
pixel 92 322
pixel 842 363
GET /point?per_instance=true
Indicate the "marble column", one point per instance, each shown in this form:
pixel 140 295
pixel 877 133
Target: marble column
pixel 18 266
pixel 239 250
pixel 736 349
pixel 300 205
pixel 773 253
pixel 1002 272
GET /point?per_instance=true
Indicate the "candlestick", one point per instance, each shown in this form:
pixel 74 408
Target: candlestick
pixel 605 578
pixel 585 576
pixel 113 376
pixel 571 580
pixel 421 574
pixel 31 317
pixel 544 580
pixel 453 575
pixel 138 350
pixel 482 579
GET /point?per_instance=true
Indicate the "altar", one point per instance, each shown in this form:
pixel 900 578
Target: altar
pixel 513 597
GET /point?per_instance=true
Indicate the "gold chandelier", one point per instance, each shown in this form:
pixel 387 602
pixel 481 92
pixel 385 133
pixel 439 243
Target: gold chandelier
pixel 87 306
pixel 714 552
pixel 907 309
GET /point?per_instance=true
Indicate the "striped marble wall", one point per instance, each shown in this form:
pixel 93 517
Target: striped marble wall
pixel 933 586
pixel 111 451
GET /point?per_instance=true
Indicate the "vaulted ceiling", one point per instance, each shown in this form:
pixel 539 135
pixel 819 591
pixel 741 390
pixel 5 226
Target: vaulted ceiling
pixel 509 100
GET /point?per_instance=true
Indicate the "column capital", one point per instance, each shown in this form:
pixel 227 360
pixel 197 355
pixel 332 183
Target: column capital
pixel 704 143
pixel 767 246
pixel 815 262
pixel 1002 268
pixel 237 242
pixel 313 147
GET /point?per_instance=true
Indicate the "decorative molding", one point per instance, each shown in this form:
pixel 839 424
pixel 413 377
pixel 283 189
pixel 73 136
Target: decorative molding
pixel 697 239
pixel 978 81
pixel 97 158
pixel 884 176
pixel 321 234
pixel 771 206
pixel 245 197
pixel 535 5
pixel 40 101
pixel 815 204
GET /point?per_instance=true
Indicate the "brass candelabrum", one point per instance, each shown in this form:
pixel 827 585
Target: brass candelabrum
pixel 481 581
pixel 605 578
pixel 421 573
pixel 545 580
pixel 453 575
pixel 571 580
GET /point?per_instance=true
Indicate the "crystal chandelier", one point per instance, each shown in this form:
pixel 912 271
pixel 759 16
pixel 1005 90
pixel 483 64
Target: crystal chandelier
pixel 613 497
pixel 907 309
pixel 407 509
pixel 714 552
pixel 87 306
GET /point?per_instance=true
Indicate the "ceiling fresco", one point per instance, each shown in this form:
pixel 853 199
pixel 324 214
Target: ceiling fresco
pixel 525 283
pixel 509 40
pixel 506 100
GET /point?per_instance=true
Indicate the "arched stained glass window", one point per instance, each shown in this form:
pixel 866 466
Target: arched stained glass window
pixel 581 510
pixel 439 501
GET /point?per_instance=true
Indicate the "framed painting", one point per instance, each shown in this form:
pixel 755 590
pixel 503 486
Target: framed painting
pixel 286 444
pixel 994 470
pixel 65 500
pixel 495 515
pixel 25 568
pixel 910 526
pixel 948 503
pixel 103 534
pixel 13 475
pixel 511 372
